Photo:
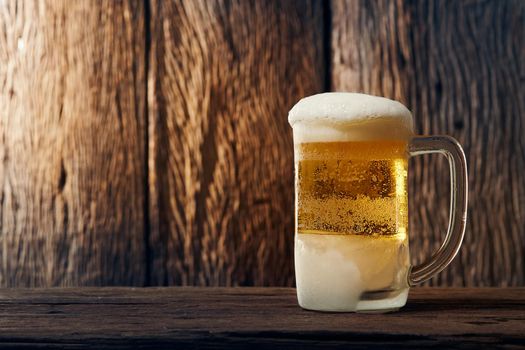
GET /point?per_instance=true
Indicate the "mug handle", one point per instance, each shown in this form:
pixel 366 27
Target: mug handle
pixel 451 149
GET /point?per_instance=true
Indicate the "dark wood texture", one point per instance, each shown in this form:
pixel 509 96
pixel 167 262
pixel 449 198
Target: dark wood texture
pixel 459 66
pixel 146 142
pixel 223 75
pixel 255 317
pixel 72 143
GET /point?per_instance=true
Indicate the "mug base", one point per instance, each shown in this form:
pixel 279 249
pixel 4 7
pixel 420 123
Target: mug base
pixel 384 301
pixel 369 302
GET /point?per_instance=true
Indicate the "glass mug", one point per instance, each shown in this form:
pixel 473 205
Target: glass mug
pixel 351 202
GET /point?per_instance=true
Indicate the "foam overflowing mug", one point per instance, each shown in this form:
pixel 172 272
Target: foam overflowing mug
pixel 351 202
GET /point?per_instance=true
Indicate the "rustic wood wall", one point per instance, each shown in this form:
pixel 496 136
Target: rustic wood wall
pixel 223 76
pixel 72 143
pixel 459 66
pixel 146 142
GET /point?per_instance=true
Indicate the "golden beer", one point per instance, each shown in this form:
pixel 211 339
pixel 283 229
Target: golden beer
pixel 352 188
pixel 351 206
pixel 352 213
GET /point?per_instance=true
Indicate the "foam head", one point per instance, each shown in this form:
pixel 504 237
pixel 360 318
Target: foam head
pixel 344 116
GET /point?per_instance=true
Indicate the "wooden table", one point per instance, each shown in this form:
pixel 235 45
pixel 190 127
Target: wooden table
pixel 256 317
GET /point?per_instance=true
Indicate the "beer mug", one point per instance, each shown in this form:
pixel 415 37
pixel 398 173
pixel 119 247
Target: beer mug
pixel 351 202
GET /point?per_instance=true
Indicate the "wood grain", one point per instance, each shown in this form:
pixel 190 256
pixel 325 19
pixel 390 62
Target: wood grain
pixel 196 187
pixel 72 143
pixel 223 75
pixel 459 66
pixel 123 318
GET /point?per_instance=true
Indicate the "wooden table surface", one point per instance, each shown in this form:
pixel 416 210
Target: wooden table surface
pixel 256 317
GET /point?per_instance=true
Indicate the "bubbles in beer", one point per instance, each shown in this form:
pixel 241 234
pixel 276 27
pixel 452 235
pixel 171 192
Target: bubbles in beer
pixel 356 188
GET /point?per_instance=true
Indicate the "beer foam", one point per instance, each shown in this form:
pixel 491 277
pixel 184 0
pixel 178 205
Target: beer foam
pixel 344 116
pixel 333 272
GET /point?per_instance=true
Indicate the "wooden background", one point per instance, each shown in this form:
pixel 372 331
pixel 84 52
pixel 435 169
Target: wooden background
pixel 146 142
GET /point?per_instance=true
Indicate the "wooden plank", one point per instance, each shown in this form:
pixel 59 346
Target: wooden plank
pixel 261 317
pixel 222 78
pixel 72 149
pixel 458 65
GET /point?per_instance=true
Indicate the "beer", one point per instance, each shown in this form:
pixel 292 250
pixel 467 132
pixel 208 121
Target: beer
pixel 352 188
pixel 351 206
pixel 351 245
pixel 351 219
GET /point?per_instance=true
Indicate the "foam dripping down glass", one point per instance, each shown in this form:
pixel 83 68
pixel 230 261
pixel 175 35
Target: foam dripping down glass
pixel 351 202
